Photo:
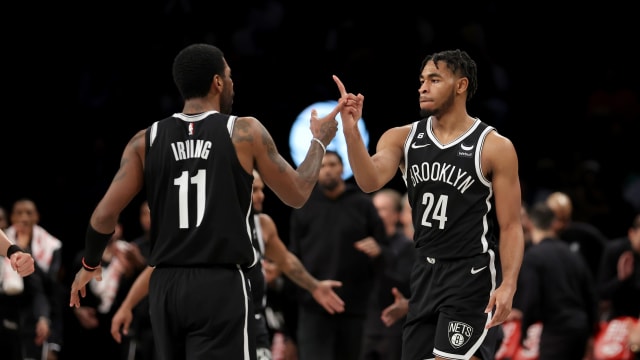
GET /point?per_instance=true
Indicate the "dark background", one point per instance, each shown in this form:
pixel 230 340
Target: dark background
pixel 81 79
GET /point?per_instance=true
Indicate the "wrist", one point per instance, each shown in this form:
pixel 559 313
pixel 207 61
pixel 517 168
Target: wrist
pixel 12 249
pixel 88 267
pixel 324 147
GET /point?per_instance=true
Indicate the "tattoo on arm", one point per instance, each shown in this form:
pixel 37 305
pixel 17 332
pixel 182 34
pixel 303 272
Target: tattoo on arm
pixel 272 151
pixel 299 275
pixel 132 147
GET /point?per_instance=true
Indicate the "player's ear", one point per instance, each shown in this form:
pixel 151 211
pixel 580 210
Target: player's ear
pixel 462 85
pixel 217 82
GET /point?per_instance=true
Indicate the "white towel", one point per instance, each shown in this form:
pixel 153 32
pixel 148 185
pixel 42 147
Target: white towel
pixel 43 245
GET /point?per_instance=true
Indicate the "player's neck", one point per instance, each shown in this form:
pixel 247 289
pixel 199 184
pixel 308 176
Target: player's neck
pixel 450 126
pixel 200 105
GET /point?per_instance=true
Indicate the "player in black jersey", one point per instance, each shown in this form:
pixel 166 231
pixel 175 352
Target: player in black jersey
pixel 266 240
pixel 460 176
pixel 197 169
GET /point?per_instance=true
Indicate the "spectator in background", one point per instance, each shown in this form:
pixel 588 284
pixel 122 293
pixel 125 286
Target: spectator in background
pixel 582 237
pixel 42 334
pixel 384 342
pixel 268 244
pixel 336 235
pixel 619 277
pixel 15 292
pixel 92 328
pixel 555 287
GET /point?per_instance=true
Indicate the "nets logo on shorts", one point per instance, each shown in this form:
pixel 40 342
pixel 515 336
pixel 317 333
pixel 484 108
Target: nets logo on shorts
pixel 459 333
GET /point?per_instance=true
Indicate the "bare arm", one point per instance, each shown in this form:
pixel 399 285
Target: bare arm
pixel 125 185
pixel 370 172
pixel 501 160
pixel 122 318
pixel 290 265
pixel 21 262
pixel 256 149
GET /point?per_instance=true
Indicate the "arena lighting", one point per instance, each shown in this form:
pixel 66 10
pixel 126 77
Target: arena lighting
pixel 300 135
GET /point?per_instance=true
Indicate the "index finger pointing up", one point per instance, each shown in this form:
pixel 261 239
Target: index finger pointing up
pixel 341 88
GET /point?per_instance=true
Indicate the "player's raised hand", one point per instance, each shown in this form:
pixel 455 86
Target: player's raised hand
pixel 352 110
pixel 325 128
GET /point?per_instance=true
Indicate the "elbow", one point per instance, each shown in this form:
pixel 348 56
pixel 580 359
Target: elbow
pixel 367 187
pixel 297 204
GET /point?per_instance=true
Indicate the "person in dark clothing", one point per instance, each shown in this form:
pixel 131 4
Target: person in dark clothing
pixel 619 278
pixel 325 235
pixel 16 264
pixel 266 240
pixel 384 342
pixel 555 287
pixel 268 244
pixel 196 167
pixel 17 306
pixel 583 238
pixel 47 253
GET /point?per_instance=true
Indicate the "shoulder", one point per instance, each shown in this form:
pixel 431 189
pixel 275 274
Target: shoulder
pixel 138 140
pixel 246 122
pixel 268 227
pixel 496 141
pixel 394 138
pixel 247 129
pixel 499 152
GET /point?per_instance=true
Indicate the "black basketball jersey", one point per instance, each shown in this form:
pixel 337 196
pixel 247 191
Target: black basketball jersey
pixel 199 194
pixel 450 198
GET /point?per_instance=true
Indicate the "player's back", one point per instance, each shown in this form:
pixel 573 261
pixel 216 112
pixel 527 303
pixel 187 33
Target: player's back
pixel 199 194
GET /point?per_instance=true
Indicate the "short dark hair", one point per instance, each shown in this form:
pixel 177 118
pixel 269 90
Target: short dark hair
pixel 460 63
pixel 335 153
pixel 541 216
pixel 194 68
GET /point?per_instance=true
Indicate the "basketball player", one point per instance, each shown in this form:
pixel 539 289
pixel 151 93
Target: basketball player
pixel 267 242
pixel 459 171
pixel 197 168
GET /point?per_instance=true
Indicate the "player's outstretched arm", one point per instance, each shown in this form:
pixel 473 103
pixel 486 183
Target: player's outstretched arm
pixel 257 151
pixel 397 310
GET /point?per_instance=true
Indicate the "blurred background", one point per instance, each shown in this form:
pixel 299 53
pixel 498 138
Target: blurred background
pixel 561 84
